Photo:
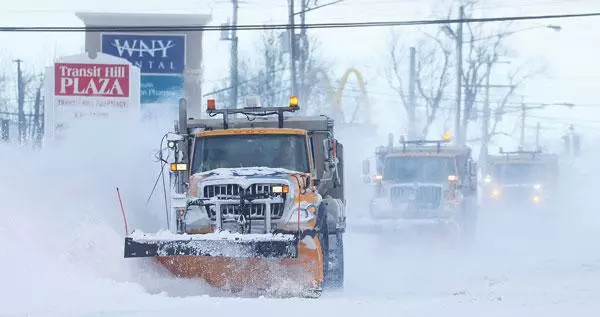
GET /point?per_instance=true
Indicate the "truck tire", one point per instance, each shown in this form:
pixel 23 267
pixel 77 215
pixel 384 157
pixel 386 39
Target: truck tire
pixel 332 247
pixel 323 234
pixel 336 261
pixel 468 222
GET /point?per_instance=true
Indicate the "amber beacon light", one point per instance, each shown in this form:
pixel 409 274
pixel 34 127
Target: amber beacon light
pixel 294 102
pixel 211 104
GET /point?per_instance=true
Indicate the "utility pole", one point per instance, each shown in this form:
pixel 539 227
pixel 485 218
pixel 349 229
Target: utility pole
pixel 411 93
pixel 300 47
pixel 37 131
pixel 303 54
pixel 538 129
pixel 293 51
pixel 21 102
pixel 485 126
pixel 523 115
pixel 459 58
pixel 234 57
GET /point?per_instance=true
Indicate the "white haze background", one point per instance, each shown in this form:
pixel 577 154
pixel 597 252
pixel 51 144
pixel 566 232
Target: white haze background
pixel 61 233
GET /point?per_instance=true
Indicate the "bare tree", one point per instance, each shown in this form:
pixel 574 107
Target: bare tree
pixel 267 75
pixel 222 90
pixel 271 85
pixel 482 44
pixel 3 89
pixel 432 76
pixel 516 79
pixel 32 85
pixel 316 90
pixel 394 70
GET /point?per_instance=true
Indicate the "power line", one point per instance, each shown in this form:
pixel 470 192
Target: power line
pixel 251 27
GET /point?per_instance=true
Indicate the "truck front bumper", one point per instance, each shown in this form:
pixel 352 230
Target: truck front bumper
pixel 383 209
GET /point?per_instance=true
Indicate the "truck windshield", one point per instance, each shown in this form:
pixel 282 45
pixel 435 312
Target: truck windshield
pixel 519 173
pixel 287 151
pixel 418 169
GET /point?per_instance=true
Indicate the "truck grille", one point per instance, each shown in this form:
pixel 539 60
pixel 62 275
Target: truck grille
pixel 516 194
pixel 401 193
pixel 424 196
pixel 256 211
pixel 235 189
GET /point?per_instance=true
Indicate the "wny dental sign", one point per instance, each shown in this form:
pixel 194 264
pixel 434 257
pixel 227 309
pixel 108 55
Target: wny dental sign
pixel 80 88
pixel 161 59
pixel 101 80
pixel 153 54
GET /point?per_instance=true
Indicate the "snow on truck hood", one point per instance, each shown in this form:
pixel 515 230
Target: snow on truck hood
pixel 245 172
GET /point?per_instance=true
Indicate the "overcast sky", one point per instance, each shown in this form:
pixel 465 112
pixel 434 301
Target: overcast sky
pixel 573 76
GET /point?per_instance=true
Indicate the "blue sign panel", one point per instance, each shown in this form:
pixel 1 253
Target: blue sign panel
pixel 159 89
pixel 153 54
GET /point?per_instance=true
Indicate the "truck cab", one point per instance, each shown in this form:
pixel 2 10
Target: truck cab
pixel 423 181
pixel 520 180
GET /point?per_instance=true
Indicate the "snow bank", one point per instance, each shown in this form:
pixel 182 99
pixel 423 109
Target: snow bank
pixel 62 233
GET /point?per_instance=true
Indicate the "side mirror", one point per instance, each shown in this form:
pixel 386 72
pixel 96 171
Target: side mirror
pixel 473 169
pixel 330 149
pixel 326 150
pixel 175 137
pixel 366 167
pixel 316 182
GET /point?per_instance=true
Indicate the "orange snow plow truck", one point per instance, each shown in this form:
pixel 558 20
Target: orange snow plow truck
pixel 258 202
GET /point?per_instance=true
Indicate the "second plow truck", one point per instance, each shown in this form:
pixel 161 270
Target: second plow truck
pixel 424 184
pixel 258 202
pixel 521 181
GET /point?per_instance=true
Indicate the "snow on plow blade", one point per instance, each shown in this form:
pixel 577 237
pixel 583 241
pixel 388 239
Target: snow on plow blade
pixel 213 244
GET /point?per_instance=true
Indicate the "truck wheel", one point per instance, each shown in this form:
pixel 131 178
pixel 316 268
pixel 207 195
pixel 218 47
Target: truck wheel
pixel 323 234
pixel 332 247
pixel 336 261
pixel 468 222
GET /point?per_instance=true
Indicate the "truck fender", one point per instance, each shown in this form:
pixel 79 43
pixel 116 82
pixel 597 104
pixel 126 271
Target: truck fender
pixel 336 214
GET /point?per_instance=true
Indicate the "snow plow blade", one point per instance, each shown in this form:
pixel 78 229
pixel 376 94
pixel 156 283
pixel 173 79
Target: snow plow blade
pixel 275 246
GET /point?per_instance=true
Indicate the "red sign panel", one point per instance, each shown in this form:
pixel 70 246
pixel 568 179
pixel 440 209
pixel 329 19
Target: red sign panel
pixel 93 80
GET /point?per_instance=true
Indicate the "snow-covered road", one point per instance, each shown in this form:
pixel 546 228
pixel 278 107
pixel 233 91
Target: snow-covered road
pixel 529 278
pixel 61 250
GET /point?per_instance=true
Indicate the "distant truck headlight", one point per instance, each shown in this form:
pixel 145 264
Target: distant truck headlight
pixel 496 193
pixel 487 179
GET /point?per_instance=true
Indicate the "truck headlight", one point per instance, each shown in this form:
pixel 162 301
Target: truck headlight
pixel 279 189
pixel 496 193
pixel 487 179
